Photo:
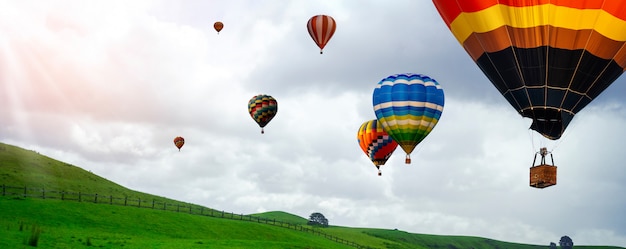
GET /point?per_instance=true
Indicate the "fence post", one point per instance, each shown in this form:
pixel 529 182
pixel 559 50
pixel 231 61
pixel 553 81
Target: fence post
pixel 4 190
pixel 43 193
pixel 139 205
pixel 201 210
pixel 125 200
pixel 24 191
pixel 95 199
pixel 79 197
pixel 164 206
pixel 110 199
pixel 222 213
pixel 190 209
pixel 62 195
pixel 177 207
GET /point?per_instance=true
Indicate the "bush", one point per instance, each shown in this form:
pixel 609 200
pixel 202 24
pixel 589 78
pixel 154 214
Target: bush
pixel 317 219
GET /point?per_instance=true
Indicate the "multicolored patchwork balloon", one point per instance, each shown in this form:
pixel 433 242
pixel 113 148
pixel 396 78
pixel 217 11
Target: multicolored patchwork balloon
pixel 179 142
pixel 549 59
pixel 376 143
pixel 321 28
pixel 262 109
pixel 408 106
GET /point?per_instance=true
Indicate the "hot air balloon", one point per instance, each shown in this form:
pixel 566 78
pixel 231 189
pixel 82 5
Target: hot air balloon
pixel 376 143
pixel 218 27
pixel 179 142
pixel 262 109
pixel 408 106
pixel 321 28
pixel 548 58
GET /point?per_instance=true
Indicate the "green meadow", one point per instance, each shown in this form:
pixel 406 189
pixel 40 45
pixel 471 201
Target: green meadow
pixel 48 220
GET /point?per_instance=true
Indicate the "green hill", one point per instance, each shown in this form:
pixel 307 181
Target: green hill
pixel 22 167
pixel 102 221
pixel 282 216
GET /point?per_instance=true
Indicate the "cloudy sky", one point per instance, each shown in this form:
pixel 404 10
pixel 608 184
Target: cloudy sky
pixel 107 85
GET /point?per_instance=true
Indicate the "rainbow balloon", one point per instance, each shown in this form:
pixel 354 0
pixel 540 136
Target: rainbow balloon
pixel 376 143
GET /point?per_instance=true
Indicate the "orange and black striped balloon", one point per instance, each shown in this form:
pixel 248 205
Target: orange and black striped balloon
pixel 321 28
pixel 548 58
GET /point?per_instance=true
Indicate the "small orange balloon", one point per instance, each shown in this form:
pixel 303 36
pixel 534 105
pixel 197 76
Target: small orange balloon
pixel 218 26
pixel 179 142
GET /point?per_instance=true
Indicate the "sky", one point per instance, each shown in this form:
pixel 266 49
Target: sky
pixel 107 85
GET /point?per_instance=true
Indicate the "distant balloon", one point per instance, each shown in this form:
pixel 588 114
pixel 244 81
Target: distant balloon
pixel 376 143
pixel 408 106
pixel 179 142
pixel 218 26
pixel 321 28
pixel 262 109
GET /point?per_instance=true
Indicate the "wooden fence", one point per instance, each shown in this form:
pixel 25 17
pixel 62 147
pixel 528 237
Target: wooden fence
pixel 154 204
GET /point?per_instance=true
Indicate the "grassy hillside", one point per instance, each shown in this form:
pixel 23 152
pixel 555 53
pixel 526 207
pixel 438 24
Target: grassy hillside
pixel 69 224
pixel 22 167
pixel 26 168
pixel 73 224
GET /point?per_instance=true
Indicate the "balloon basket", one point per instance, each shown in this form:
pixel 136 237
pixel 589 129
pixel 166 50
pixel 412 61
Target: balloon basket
pixel 542 176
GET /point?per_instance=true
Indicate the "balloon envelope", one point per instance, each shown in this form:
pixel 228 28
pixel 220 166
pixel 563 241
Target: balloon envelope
pixel 375 142
pixel 321 28
pixel 179 142
pixel 218 26
pixel 408 106
pixel 549 59
pixel 262 109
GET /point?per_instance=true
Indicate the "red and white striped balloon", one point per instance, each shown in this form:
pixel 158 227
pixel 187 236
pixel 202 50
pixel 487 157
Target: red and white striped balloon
pixel 321 28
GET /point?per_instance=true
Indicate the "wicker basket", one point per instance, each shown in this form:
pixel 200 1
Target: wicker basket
pixel 542 176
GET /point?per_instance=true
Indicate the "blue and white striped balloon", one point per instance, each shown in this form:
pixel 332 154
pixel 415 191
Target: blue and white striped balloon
pixel 408 106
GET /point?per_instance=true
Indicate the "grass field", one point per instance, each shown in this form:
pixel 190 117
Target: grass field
pixel 69 224
pixel 73 224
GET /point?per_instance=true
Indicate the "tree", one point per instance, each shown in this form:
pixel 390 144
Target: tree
pixel 317 219
pixel 552 245
pixel 566 242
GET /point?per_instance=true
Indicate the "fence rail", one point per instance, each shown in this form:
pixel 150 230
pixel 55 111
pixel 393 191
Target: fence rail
pixel 154 204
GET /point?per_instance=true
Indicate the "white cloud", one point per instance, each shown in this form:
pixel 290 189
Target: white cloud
pixel 108 85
